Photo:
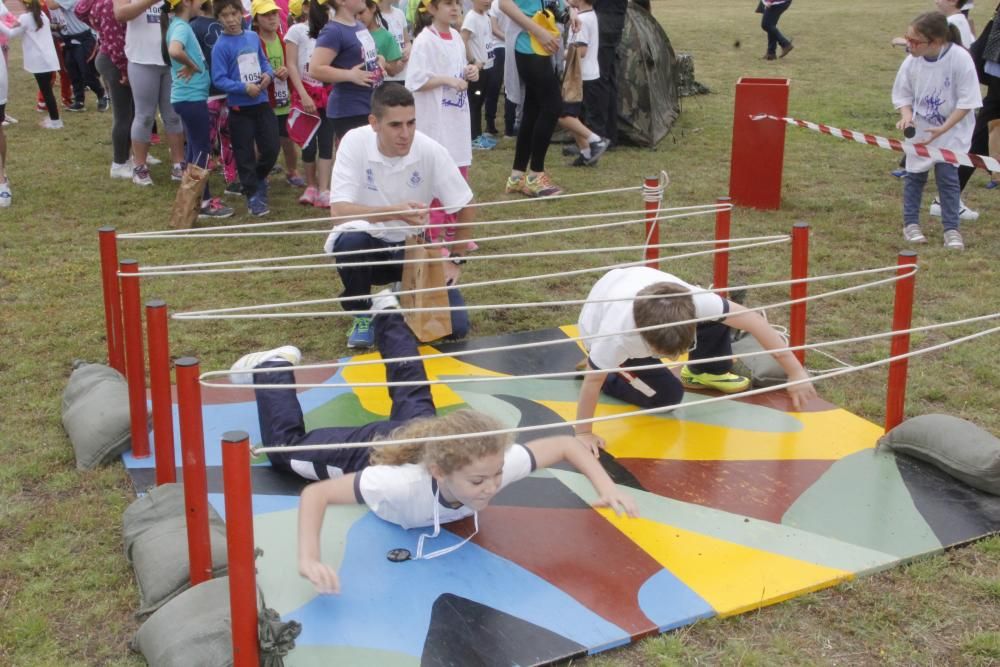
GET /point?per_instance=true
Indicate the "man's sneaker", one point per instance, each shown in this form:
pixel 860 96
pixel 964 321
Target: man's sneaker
pixel 234 188
pixel 953 240
pixel 515 184
pixel 257 206
pixel 597 149
pixel 295 180
pixel 570 150
pixel 5 197
pixel 898 173
pixel 727 383
pixel 177 173
pixel 50 124
pixel 122 171
pixel 964 212
pixel 362 334
pixel 140 175
pixel 912 234
pixel 238 372
pixel 103 103
pixel 76 106
pixel 384 300
pixel 539 185
pixel 308 198
pixel 214 208
pixel 322 200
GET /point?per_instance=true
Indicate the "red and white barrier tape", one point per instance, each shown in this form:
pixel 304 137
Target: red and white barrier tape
pixel 936 154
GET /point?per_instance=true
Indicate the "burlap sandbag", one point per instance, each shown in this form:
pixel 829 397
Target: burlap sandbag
pixel 95 414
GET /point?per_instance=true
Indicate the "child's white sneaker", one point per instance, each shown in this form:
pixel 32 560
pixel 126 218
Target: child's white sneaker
pixel 238 372
pixel 964 212
pixel 953 240
pixel 123 171
pixel 912 234
pixel 5 197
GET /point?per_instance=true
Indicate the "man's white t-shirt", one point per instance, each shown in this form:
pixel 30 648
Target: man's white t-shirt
pixel 602 316
pixel 935 88
pixel 442 112
pixel 405 494
pixel 588 36
pixel 362 175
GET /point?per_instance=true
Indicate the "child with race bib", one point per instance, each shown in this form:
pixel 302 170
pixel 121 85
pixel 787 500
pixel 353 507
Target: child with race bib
pixel 439 73
pixel 241 69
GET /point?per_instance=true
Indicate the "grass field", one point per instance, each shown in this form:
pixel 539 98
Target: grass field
pixel 66 593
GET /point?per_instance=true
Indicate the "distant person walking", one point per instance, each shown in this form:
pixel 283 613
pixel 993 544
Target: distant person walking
pixel 771 11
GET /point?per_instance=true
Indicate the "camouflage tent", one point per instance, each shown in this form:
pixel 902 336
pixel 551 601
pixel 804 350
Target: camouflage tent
pixel 648 98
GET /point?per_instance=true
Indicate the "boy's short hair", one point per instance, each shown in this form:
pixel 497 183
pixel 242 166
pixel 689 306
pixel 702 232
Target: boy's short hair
pixel 676 306
pixel 219 5
pixel 389 94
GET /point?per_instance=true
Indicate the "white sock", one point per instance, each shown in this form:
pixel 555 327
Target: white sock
pixel 585 152
pixel 593 138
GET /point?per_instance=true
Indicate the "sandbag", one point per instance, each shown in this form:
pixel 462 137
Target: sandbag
pixel 194 629
pixel 95 414
pixel 155 535
pixel 956 446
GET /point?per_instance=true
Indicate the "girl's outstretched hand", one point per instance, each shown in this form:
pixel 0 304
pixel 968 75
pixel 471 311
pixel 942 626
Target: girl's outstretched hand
pixel 619 501
pixel 321 575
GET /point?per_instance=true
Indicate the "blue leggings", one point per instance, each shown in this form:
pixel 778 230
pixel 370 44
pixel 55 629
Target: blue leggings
pixel 281 421
pixel 197 129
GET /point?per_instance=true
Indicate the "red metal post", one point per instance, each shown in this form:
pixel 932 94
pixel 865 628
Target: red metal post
pixel 112 298
pixel 723 218
pixel 800 270
pixel 240 541
pixel 159 388
pixel 134 358
pixel 193 459
pixel 902 317
pixel 758 148
pixel 652 198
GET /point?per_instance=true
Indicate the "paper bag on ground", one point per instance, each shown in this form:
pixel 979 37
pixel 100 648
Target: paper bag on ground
pixel 427 325
pixel 188 200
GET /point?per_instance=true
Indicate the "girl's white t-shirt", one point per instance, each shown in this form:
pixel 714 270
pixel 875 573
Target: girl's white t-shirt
pixel 442 112
pixel 964 29
pixel 479 27
pixel 143 38
pixel 936 88
pixel 298 35
pixel 396 18
pixel 37 45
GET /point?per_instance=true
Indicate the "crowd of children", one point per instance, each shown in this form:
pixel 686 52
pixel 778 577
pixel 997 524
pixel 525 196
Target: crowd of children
pixel 235 86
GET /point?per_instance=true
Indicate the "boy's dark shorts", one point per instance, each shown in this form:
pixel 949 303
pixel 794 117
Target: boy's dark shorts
pixel 591 100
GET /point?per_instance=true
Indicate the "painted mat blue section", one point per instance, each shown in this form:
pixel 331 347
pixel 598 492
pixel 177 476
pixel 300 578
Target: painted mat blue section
pixel 670 604
pixel 377 594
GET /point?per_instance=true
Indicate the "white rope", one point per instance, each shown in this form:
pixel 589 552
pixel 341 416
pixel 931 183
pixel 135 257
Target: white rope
pixel 227 313
pixel 648 411
pixel 346 253
pixel 479 257
pixel 578 373
pixel 196 232
pixel 911 269
pixel 652 195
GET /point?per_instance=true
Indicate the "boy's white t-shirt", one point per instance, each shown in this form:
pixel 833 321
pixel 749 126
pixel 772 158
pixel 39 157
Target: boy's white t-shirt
pixel 936 88
pixel 405 494
pixel 298 35
pixel 396 18
pixel 609 317
pixel 37 45
pixel 442 112
pixel 480 30
pixel 588 36
pixel 362 175
pixel 964 29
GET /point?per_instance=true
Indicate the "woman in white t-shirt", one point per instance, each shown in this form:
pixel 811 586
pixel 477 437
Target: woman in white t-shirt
pixel 149 78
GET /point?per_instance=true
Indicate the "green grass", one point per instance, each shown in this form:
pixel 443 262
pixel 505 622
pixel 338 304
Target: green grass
pixel 66 593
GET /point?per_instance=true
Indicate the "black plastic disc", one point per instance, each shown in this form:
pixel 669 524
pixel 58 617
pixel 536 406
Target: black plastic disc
pixel 398 555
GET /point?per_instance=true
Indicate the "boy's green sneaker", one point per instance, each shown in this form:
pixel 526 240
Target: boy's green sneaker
pixel 727 383
pixel 515 184
pixel 362 334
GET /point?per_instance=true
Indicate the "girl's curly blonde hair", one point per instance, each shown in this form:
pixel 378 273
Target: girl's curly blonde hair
pixel 447 455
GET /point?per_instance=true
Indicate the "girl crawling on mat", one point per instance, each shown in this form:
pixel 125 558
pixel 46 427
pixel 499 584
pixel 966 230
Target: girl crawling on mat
pixel 412 485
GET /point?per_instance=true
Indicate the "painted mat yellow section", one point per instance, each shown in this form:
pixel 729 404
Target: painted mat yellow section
pixel 732 578
pixel 832 434
pixel 376 399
